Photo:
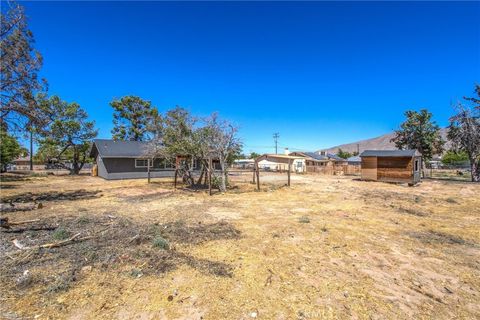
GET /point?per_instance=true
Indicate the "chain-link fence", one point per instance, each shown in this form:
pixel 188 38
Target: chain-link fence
pixel 458 172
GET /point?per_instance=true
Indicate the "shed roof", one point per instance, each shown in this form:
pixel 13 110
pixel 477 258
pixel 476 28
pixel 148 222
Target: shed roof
pixel 390 153
pixel 107 148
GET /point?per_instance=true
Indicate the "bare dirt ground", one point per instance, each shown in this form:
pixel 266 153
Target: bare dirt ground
pixel 325 248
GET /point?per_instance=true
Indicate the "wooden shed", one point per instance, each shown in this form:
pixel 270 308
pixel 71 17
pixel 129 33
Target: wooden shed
pixel 402 166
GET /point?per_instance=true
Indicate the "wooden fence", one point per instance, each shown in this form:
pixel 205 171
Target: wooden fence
pixel 354 170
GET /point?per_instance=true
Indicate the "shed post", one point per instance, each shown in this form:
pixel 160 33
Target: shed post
pixel 289 167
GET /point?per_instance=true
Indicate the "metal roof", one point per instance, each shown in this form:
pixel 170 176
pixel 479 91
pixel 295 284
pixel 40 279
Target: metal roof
pixel 119 149
pixel 390 153
pixel 315 156
pixel 267 156
pixel 354 159
pixel 334 157
pixel 312 155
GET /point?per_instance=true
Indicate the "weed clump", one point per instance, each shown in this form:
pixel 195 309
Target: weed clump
pixel 60 234
pixel 304 219
pixel 161 243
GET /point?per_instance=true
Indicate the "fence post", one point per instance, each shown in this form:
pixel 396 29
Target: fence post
pixel 210 176
pixel 289 167
pixel 258 176
pixel 148 169
pixel 175 181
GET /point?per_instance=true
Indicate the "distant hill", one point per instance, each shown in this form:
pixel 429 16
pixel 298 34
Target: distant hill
pixel 378 143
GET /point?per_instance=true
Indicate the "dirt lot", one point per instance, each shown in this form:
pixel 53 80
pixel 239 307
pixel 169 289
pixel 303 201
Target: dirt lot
pixel 327 247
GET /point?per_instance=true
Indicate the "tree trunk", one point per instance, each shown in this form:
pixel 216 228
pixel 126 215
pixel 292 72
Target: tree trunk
pixel 224 176
pixel 424 168
pixel 199 181
pixel 475 167
pixel 75 169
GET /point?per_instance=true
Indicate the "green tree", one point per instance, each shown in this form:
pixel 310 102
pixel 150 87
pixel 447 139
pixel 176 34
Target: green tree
pixel 452 157
pixel 177 135
pixel 343 154
pixel 464 132
pixel 19 67
pixel 10 149
pixel 69 132
pixel 421 133
pixel 254 155
pixel 132 118
pixel 46 151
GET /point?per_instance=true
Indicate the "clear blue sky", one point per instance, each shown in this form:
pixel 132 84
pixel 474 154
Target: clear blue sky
pixel 319 73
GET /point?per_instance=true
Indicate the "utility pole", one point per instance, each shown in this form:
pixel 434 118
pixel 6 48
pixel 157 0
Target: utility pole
pixel 276 135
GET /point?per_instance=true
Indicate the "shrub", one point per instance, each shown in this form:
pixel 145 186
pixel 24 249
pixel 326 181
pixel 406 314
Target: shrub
pixel 304 219
pixel 60 234
pixel 161 243
pixel 83 220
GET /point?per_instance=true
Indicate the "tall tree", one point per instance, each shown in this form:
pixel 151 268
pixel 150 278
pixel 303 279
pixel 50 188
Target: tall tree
pixel 254 155
pixel 421 133
pixel 223 143
pixel 69 131
pixel 464 131
pixel 174 135
pixel 131 118
pixel 19 67
pixel 9 149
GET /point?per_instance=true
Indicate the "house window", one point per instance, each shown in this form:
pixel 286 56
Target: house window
pixel 143 163
pixel 164 163
pixel 416 165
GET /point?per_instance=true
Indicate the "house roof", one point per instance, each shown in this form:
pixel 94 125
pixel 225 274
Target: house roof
pixel 354 159
pixel 390 153
pixel 118 149
pixel 334 157
pixel 268 156
pixel 27 158
pixel 313 155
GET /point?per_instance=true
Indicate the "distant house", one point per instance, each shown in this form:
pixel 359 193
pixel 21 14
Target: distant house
pixel 243 163
pixel 338 161
pixel 391 165
pixel 281 162
pixel 127 160
pixel 312 160
pixel 23 163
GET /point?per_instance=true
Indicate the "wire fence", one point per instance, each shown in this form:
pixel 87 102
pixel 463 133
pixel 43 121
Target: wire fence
pixel 457 172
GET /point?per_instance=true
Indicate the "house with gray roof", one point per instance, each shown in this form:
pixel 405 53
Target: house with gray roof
pixel 127 160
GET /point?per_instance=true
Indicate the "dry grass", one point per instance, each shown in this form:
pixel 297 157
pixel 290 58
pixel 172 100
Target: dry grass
pixel 368 250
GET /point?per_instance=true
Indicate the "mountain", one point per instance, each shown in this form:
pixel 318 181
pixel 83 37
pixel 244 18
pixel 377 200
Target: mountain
pixel 378 143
